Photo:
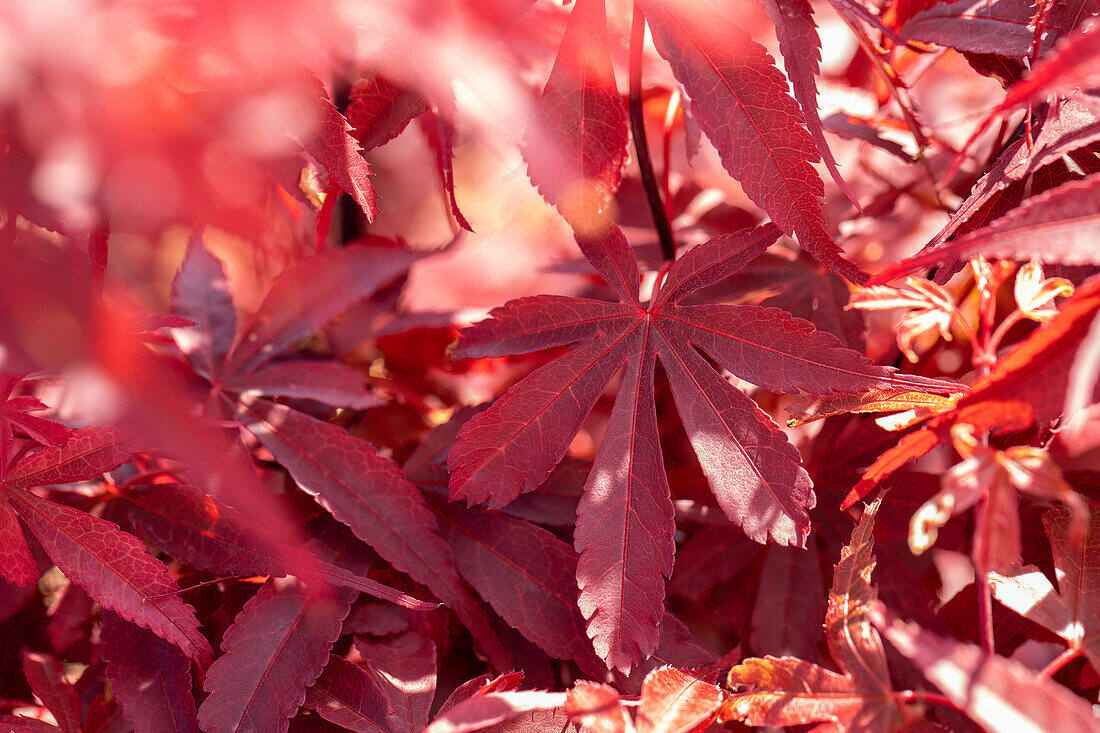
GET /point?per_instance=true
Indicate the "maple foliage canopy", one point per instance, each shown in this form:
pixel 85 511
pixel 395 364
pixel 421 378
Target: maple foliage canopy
pixel 606 366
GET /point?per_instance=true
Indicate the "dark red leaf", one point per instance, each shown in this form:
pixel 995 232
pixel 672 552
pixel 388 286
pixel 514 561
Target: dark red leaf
pixel 801 49
pixel 406 667
pixel 347 695
pixel 329 382
pixel 198 530
pixel 88 454
pixel 992 26
pixel 369 494
pixel 789 603
pixel 200 293
pixel 150 677
pixel 310 294
pixel 625 519
pixel 47 681
pixel 115 569
pixel 275 650
pixel 576 141
pixel 740 101
pixel 525 572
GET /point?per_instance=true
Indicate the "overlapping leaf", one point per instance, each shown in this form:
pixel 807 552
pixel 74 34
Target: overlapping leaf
pixel 405 665
pixel 575 145
pixel 1070 610
pixel 150 677
pixel 347 695
pixel 624 528
pixel 740 101
pixel 999 693
pixel 275 649
pixel 1028 385
pixel 369 494
pixel 791 691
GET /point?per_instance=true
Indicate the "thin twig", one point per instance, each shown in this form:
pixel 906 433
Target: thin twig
pixel 641 147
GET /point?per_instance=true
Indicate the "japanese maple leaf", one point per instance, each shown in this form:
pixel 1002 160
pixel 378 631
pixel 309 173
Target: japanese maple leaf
pixel 740 101
pixel 625 518
pixel 784 691
pixel 13 416
pixel 1073 610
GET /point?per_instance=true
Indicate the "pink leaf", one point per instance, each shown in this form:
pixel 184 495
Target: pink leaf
pixel 481 711
pixel 741 103
pixel 115 569
pixel 576 141
pixel 150 677
pixel 276 648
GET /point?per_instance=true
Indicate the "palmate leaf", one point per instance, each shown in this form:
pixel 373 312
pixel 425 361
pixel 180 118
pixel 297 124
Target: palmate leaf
pixel 740 101
pixel 625 518
pixel 790 691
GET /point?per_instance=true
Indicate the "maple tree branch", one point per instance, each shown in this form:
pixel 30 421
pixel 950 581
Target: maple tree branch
pixel 666 150
pixel 1060 661
pixel 641 147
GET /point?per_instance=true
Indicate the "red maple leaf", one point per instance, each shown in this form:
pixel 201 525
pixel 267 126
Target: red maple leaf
pixel 625 518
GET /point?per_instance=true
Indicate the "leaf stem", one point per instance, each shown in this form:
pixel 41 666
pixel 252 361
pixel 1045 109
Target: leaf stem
pixel 1060 661
pixel 933 698
pixel 985 612
pixel 641 147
